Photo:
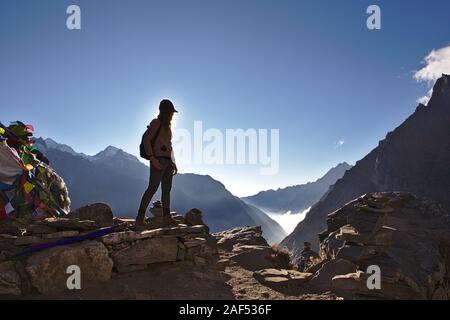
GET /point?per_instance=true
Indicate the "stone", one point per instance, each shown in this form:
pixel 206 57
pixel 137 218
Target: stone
pixel 39 229
pixel 281 278
pixel 9 229
pixel 226 240
pixel 129 236
pixel 61 234
pixel 348 282
pixel 253 257
pixel 179 219
pixel 322 280
pixel 69 224
pixel 153 250
pixel 194 217
pixel 181 231
pixel 27 240
pixel 192 252
pixel 101 213
pixel 161 222
pixel 47 269
pixel 10 283
pixel 349 233
pixel 194 242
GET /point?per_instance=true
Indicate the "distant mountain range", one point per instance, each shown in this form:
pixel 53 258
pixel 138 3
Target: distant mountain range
pixel 415 158
pixel 297 198
pixel 119 179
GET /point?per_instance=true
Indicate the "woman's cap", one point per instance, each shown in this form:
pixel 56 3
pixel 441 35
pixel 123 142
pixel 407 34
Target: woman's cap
pixel 166 106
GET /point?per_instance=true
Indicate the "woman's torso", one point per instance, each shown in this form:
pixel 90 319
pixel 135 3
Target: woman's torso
pixel 163 143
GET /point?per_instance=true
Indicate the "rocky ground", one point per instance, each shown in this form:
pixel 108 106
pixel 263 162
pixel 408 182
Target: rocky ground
pixel 229 277
pixel 406 237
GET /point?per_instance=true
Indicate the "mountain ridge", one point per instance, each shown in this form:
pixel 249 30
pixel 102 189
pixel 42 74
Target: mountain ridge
pixel 414 157
pixel 119 179
pixel 299 197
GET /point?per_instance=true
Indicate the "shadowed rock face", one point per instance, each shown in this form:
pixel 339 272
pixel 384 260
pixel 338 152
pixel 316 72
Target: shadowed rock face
pixel 408 238
pixel 414 158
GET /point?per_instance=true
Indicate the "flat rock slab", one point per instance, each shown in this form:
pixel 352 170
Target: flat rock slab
pixel 61 234
pixel 27 240
pixel 282 278
pixel 47 269
pixel 38 229
pixel 69 224
pixel 153 250
pixel 129 236
pixel 194 242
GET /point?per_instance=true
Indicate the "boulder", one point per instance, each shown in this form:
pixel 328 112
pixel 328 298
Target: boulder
pixel 253 257
pixel 47 269
pixel 226 240
pixel 322 280
pixel 194 217
pixel 101 213
pixel 10 284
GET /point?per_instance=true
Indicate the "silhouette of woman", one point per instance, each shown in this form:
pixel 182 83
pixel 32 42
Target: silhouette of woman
pixel 158 147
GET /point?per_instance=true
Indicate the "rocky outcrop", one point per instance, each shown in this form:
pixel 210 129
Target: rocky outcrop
pixel 406 237
pixel 228 239
pixel 36 260
pixel 413 158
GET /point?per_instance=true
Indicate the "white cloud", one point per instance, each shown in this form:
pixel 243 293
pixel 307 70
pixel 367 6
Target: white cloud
pixel 435 63
pixel 424 100
pixel 339 144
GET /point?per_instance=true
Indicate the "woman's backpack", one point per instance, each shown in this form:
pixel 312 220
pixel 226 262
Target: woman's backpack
pixel 142 151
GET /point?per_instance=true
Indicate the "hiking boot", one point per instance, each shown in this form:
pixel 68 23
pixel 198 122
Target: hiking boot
pixel 140 225
pixel 168 221
pixel 140 222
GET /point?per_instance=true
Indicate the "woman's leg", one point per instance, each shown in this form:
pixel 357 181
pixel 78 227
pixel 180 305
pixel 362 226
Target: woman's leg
pixel 166 187
pixel 155 180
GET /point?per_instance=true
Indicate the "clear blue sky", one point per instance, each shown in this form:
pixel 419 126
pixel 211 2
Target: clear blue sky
pixel 310 68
